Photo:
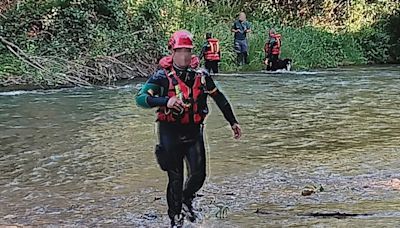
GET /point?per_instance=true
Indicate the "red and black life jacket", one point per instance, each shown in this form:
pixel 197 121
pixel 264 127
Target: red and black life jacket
pixel 212 54
pixel 195 110
pixel 276 49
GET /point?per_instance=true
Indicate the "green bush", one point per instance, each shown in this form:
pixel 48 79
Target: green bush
pixel 313 36
pixel 393 29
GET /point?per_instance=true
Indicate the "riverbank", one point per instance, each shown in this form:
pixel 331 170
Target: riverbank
pixel 308 47
pixel 80 43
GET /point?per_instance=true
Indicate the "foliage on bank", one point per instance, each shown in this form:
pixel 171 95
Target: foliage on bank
pixel 59 42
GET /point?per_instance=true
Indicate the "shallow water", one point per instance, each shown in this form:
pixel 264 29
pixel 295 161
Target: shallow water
pixel 84 157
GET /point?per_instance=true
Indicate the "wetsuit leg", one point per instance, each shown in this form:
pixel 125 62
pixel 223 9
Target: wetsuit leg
pixel 175 149
pixel 269 65
pixel 215 67
pixel 174 191
pixel 274 59
pixel 196 166
pixel 208 66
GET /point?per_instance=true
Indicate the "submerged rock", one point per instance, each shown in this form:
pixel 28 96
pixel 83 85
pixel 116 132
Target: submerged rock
pixel 310 189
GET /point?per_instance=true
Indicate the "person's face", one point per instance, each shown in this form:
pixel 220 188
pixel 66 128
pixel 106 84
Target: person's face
pixel 242 16
pixel 182 57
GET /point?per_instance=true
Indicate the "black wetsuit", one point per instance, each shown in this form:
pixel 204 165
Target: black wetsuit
pixel 179 142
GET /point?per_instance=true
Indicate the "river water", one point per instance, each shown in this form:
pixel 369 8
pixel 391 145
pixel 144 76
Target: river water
pixel 84 157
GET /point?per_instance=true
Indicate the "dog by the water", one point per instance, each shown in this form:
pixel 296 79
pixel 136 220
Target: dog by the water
pixel 280 64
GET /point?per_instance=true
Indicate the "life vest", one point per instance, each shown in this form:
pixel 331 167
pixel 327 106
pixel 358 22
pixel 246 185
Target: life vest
pixel 276 49
pixel 212 54
pixel 194 99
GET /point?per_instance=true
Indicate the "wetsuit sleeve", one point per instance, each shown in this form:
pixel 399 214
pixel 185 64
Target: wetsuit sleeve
pixel 221 101
pixel 152 93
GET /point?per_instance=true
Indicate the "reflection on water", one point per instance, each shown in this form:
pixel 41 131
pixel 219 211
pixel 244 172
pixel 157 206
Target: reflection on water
pixel 85 157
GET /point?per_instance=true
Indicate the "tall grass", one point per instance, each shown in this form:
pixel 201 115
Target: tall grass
pixel 79 30
pixel 308 47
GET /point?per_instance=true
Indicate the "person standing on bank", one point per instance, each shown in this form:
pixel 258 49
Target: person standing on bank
pixel 241 27
pixel 179 90
pixel 211 53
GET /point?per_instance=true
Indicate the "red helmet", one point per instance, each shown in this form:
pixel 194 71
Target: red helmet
pixel 180 39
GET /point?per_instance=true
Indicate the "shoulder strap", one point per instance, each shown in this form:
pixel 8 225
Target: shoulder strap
pixel 170 75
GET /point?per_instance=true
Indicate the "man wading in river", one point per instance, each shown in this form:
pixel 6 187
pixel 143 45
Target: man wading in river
pixel 180 91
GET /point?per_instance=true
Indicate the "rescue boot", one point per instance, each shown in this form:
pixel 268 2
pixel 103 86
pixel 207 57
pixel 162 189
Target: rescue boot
pixel 177 221
pixel 189 211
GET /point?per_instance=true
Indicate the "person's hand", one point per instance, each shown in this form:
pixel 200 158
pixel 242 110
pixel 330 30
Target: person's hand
pixel 237 131
pixel 175 103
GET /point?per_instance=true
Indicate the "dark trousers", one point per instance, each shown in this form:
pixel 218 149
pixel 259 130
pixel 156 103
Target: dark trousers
pixel 241 47
pixel 272 62
pixel 211 65
pixel 183 143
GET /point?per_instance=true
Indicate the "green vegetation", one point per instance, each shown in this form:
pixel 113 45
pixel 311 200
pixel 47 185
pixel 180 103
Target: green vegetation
pixel 87 42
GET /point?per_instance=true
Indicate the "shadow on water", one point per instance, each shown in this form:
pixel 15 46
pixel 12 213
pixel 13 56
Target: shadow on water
pixel 84 157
